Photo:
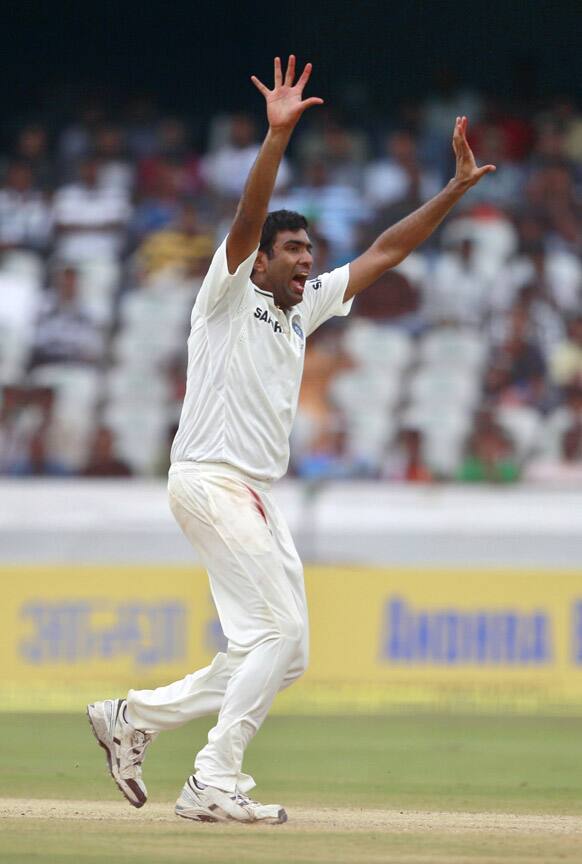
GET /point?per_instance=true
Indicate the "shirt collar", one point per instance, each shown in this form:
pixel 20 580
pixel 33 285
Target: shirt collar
pixel 264 293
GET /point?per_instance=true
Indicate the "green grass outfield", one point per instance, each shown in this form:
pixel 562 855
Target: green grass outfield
pixel 363 765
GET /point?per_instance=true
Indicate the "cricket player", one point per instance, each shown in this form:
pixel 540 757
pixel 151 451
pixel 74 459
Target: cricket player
pixel 256 308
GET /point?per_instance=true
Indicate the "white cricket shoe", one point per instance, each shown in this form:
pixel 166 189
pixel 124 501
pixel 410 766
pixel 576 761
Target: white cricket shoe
pixel 208 804
pixel 124 746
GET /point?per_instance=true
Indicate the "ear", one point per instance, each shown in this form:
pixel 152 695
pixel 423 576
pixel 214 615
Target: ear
pixel 261 262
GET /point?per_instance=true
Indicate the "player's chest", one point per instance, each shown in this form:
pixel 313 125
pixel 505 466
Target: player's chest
pixel 275 334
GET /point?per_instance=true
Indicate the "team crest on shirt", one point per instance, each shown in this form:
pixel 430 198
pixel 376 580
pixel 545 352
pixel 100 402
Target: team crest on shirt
pixel 298 330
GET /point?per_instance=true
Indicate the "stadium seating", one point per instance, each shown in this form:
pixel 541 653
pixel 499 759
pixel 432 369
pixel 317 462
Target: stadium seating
pixel 422 360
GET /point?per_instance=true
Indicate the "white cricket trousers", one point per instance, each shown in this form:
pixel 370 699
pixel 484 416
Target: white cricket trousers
pixel 256 580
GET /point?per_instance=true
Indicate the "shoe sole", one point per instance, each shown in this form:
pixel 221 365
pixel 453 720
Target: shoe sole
pixel 136 804
pixel 204 817
pixel 200 817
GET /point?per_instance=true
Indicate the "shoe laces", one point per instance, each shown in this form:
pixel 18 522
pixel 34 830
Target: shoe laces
pixel 243 800
pixel 137 745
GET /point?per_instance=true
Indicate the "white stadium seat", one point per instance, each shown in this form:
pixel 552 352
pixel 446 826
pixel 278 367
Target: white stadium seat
pixel 20 298
pixel 368 435
pixel 444 387
pixel 140 433
pixel 524 427
pixel 453 347
pixel 358 390
pixel 378 346
pixel 130 384
pixel 78 390
pixel 445 431
pixel 98 283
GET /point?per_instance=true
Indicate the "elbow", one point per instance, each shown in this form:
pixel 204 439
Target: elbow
pixel 389 258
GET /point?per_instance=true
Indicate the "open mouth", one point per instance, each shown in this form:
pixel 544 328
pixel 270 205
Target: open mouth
pixel 298 282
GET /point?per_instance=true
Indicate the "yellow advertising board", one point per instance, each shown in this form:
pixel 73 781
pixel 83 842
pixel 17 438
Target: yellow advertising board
pixel 474 639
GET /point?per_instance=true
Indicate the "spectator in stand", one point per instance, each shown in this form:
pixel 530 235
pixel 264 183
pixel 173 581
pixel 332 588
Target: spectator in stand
pixel 25 416
pixel 490 457
pixel 226 170
pixel 65 333
pixel 321 252
pixel 447 100
pixel 457 291
pixel 556 275
pixel 495 243
pixel 550 142
pixel 548 284
pixel 566 361
pixel 334 210
pixel 116 172
pixel 551 189
pixel 103 460
pixel 393 299
pixel 567 469
pixel 37 460
pixel 329 140
pixel 76 139
pixel 562 418
pixel 90 220
pixel 509 178
pixel 516 374
pixel 173 154
pixel 531 231
pixel 32 149
pixel 546 325
pixel 398 177
pixel 24 213
pixel 514 127
pixel 159 205
pixel 406 462
pixel 544 322
pixel 326 458
pixel 141 122
pixel 317 438
pixel 180 247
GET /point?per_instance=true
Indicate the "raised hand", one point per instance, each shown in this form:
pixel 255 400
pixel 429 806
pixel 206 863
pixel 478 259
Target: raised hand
pixel 285 103
pixel 466 172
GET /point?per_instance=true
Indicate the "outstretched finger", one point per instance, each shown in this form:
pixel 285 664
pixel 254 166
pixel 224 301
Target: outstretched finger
pixel 309 103
pixel 260 86
pixel 290 74
pixel 277 72
pixel 458 141
pixel 486 169
pixel 305 75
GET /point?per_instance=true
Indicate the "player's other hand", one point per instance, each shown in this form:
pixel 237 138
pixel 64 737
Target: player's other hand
pixel 285 103
pixel 467 173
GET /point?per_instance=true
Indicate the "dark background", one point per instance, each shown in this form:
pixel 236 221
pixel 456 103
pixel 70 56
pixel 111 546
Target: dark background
pixel 195 58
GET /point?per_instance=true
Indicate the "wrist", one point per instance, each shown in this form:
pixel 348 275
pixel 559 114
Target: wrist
pixel 458 187
pixel 280 134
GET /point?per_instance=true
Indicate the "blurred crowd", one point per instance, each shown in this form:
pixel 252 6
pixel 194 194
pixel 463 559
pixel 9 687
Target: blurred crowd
pixel 464 363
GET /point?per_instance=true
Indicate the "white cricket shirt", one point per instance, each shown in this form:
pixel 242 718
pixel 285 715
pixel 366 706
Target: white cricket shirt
pixel 245 362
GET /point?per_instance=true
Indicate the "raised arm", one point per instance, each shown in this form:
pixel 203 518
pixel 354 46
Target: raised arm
pixel 398 241
pixel 285 105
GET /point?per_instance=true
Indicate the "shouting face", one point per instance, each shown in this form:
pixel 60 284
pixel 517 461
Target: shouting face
pixel 284 270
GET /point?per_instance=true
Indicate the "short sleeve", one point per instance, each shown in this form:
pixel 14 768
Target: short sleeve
pixel 324 297
pixel 220 289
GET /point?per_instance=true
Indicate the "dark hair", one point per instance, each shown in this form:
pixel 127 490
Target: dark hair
pixel 280 220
